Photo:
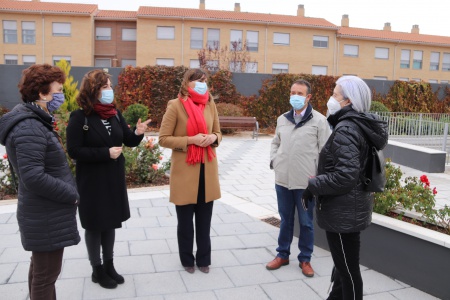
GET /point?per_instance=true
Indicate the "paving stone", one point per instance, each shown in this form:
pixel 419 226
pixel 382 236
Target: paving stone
pixel 70 289
pixel 8 229
pixel 250 256
pixel 215 279
pixel 208 295
pixel 158 284
pixel 149 247
pixel 250 275
pixel 14 291
pixel 12 255
pixel 375 282
pixel 295 290
pixel 140 203
pixel 383 296
pixel 6 272
pixel 93 291
pixel 130 234
pixel 20 273
pixel 4 219
pixel 141 264
pixel 260 227
pixel 158 233
pixel 76 268
pixel 142 222
pixel 161 202
pixel 229 229
pixel 411 293
pixel 226 242
pixel 154 211
pixel 167 221
pixel 167 262
pixel 237 217
pixel 223 258
pixel 258 240
pixel 253 292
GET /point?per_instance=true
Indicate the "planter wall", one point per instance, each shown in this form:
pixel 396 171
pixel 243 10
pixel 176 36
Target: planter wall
pixel 414 255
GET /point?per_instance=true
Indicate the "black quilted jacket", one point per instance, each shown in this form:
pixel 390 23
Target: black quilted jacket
pixel 342 204
pixel 46 210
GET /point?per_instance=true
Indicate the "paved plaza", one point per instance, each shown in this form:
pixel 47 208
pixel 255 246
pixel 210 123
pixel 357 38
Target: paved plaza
pixel 146 251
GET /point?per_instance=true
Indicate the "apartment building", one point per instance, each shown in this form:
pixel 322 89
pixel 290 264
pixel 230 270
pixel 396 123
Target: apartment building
pixel 36 32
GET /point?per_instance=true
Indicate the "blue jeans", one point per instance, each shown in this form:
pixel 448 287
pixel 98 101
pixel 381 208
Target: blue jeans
pixel 287 201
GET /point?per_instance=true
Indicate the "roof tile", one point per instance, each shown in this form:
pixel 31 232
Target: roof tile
pixel 116 14
pixel 48 7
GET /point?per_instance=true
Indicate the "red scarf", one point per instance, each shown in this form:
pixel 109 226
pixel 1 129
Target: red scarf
pixel 194 106
pixel 105 111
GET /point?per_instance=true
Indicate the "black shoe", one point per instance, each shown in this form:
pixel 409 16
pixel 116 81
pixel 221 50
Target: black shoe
pixel 111 271
pixel 99 276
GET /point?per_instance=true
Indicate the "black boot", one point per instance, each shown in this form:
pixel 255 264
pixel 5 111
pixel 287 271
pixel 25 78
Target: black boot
pixel 111 271
pixel 99 276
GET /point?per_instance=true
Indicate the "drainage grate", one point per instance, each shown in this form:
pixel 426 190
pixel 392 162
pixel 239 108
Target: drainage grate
pixel 272 221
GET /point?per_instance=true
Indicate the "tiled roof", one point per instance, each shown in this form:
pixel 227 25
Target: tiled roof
pixel 402 37
pixel 47 7
pixel 199 14
pixel 116 14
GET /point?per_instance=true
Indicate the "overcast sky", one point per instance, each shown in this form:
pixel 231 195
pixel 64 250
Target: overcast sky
pixel 432 16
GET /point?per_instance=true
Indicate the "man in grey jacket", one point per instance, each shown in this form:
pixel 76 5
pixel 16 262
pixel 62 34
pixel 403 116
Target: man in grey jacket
pixel 299 137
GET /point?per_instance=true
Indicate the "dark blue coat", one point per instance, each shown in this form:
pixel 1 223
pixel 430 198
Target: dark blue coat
pixel 46 210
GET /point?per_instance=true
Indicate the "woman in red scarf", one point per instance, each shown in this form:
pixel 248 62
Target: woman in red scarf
pixel 95 135
pixel 190 127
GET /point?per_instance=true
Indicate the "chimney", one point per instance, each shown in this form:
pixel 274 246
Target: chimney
pixel 237 7
pixel 415 29
pixel 301 10
pixel 202 4
pixel 387 27
pixel 345 22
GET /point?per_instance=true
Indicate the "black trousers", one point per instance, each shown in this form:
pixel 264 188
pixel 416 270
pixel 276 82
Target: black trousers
pixel 100 239
pixel 185 230
pixel 344 248
pixel 44 270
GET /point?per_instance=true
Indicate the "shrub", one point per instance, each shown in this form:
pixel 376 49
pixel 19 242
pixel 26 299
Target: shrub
pixel 222 87
pixel 6 181
pixel 134 112
pixel 378 107
pixel 69 88
pixel 3 110
pixel 229 110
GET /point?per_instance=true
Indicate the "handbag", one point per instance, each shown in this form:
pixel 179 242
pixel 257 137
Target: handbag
pixel 375 174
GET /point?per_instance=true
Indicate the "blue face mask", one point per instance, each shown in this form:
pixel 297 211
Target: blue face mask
pixel 200 87
pixel 56 102
pixel 297 101
pixel 107 97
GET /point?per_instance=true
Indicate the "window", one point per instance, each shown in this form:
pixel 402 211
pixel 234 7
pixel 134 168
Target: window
pixel 28 33
pixel 10 32
pixel 129 34
pixel 61 29
pixel 432 81
pixel 434 61
pixel 194 64
pixel 319 70
pixel 10 59
pixel 56 59
pixel 165 62
pixel 320 41
pixel 444 81
pixel 351 50
pixel 446 62
pixel 196 38
pixel 103 62
pixel 403 79
pixel 252 41
pixel 128 62
pixel 236 66
pixel 103 34
pixel 212 65
pixel 417 60
pixel 281 38
pixel 251 67
pixel 382 53
pixel 28 59
pixel 404 59
pixel 416 79
pixel 165 33
pixel 213 36
pixel 280 68
pixel 236 40
pixel 380 77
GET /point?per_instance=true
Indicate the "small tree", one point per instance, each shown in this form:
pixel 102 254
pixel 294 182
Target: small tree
pixel 235 59
pixel 69 88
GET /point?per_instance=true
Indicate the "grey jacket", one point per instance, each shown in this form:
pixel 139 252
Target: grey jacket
pixel 295 148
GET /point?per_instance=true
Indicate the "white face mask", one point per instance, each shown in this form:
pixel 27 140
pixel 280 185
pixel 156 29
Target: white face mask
pixel 333 105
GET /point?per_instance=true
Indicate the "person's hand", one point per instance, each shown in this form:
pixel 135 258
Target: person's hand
pixel 306 197
pixel 142 126
pixel 208 140
pixel 114 152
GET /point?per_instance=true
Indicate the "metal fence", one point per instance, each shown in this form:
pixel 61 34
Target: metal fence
pixel 421 129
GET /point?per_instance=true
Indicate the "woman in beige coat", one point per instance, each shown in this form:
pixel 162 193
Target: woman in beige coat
pixel 190 127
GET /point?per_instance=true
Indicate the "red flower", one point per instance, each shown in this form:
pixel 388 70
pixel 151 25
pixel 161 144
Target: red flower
pixel 434 191
pixel 155 167
pixel 160 157
pixel 5 156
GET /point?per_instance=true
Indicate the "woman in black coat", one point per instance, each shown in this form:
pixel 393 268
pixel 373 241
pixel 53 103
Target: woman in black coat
pixel 47 195
pixel 344 207
pixel 95 135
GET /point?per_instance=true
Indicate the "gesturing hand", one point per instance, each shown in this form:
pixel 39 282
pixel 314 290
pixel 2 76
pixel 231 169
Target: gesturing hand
pixel 141 127
pixel 306 197
pixel 114 152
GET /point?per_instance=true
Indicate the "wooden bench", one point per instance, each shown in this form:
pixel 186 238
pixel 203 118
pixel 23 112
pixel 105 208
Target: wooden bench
pixel 240 123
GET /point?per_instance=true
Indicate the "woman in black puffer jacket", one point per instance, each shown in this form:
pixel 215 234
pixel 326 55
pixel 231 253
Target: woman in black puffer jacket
pixel 343 207
pixel 47 195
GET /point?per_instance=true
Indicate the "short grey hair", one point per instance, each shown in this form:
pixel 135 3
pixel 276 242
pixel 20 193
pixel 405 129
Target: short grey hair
pixel 355 89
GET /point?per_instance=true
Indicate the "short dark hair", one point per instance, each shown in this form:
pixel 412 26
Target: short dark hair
pixel 37 79
pixel 305 83
pixel 90 87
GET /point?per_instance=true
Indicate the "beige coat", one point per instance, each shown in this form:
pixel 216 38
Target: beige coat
pixel 184 178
